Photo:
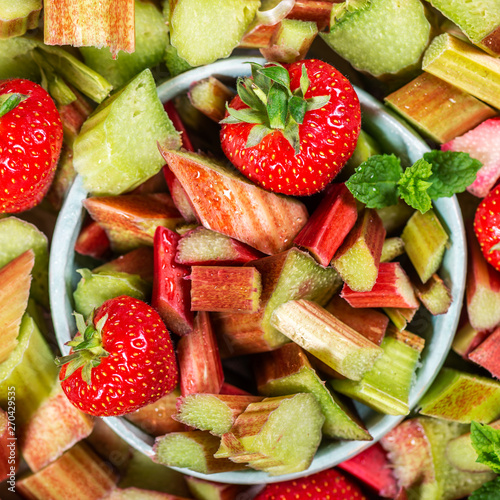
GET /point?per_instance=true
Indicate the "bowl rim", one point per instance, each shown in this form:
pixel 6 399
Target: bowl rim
pixel 409 146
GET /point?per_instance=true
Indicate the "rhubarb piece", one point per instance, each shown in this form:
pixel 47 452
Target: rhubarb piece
pixel 210 96
pixel 101 24
pixel 139 261
pixel 215 413
pixel 286 276
pixel 225 289
pixel 171 289
pixel 63 178
pixel 482 144
pixel 467 339
pixel 487 354
pixel 325 337
pixel 392 248
pixel 329 224
pixel 318 11
pixel 462 397
pixel 465 67
pixel 386 386
pixel 174 63
pixel 203 33
pixel 425 242
pixel 358 258
pixel 53 429
pixel 437 109
pixel 434 295
pixel 370 323
pixel 133 116
pixel 131 220
pixel 16 60
pixel 400 316
pixel 365 147
pixel 394 217
pixel 208 490
pixel 199 361
pixel 228 203
pixel 288 371
pixel 269 436
pixel 392 289
pixel 151 38
pixel 140 494
pixel 193 450
pixel 65 477
pixel 202 246
pixel 402 35
pixel 180 198
pixel 15 281
pixel 16 19
pixel 93 241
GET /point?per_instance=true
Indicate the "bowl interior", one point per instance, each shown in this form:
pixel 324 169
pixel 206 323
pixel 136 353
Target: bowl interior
pixel 394 137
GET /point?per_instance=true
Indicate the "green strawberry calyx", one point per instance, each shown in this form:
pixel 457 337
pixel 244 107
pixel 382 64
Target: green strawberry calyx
pixel 87 350
pixel 272 104
pixel 10 101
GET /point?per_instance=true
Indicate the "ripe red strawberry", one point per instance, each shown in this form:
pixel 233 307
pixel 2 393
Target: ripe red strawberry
pixel 292 128
pixel 487 227
pixel 121 360
pixel 326 485
pixel 30 142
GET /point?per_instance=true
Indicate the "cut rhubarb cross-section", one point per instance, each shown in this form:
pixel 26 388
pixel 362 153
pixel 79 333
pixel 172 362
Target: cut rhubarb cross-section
pixel 210 96
pixel 487 354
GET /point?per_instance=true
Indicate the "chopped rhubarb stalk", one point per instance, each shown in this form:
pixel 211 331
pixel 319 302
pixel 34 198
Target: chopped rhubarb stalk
pixel 329 224
pixel 193 450
pixel 373 468
pixel 400 317
pixel 178 125
pixel 358 258
pixel 15 282
pixel 287 371
pixel 370 323
pixel 487 354
pixel 225 289
pixel 93 241
pixel 9 457
pixel 392 289
pixel 155 184
pixel 199 360
pixel 394 217
pixel 483 288
pixel 425 242
pixel 259 36
pixel 133 493
pixel 63 178
pixel 103 23
pixel 73 115
pixel 203 247
pixel 19 17
pixel 210 96
pixel 324 336
pixel 232 390
pixel 437 109
pixel 54 428
pixel 131 220
pixel 171 289
pixel 215 413
pixel 139 261
pixel 392 248
pixel 467 339
pixel 180 198
pixel 201 488
pixel 434 295
pixel 318 11
pixel 229 204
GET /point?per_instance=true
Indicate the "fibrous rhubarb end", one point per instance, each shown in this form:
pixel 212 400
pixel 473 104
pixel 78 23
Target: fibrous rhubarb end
pixel 435 295
pixel 210 96
pixel 17 18
pixel 392 248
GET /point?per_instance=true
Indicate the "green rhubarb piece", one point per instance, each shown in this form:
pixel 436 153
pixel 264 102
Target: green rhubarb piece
pixel 94 289
pixel 465 66
pixel 16 60
pixel 174 63
pixel 425 242
pixel 117 146
pixel 201 489
pixel 386 387
pixel 210 96
pixel 17 236
pixel 17 17
pixel 462 455
pixel 385 37
pixel 29 371
pixel 365 147
pixel 462 397
pixel 151 39
pixel 207 31
pixel 392 248
pixel 394 217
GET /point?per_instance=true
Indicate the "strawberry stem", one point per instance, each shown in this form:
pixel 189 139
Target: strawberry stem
pixel 10 101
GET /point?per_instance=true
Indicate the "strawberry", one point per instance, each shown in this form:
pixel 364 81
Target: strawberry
pixel 487 227
pixel 30 142
pixel 121 360
pixel 292 128
pixel 326 485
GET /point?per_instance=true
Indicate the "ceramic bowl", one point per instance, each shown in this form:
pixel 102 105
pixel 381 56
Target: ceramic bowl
pixel 394 137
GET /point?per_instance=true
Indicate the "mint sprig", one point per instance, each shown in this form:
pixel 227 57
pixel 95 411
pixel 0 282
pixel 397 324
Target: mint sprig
pixel 413 185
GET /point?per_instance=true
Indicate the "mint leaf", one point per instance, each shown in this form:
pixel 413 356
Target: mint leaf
pixel 486 442
pixel 452 172
pixel 488 491
pixel 413 186
pixel 375 181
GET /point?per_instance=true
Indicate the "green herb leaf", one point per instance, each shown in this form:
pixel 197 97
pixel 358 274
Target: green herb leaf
pixel 277 106
pixel 375 181
pixel 297 107
pixel 413 186
pixel 486 442
pixel 277 74
pixel 452 172
pixel 257 133
pixel 488 491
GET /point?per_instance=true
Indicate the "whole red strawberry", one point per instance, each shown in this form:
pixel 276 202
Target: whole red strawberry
pixel 30 142
pixel 326 485
pixel 292 128
pixel 121 360
pixel 487 227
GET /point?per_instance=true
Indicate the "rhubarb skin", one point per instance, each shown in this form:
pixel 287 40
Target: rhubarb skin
pixel 392 289
pixel 93 241
pixel 487 354
pixel 467 339
pixel 329 224
pixel 171 289
pixel 139 261
pixel 199 360
pixel 318 11
pixel 28 17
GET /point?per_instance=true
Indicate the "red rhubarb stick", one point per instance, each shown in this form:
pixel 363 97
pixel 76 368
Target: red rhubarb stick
pixel 487 354
pixel 93 241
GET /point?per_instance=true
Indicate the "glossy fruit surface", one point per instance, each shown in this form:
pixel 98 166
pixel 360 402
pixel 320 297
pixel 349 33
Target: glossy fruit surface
pixel 487 227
